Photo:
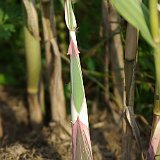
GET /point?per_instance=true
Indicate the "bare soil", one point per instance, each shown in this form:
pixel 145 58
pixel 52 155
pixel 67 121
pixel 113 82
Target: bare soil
pixel 53 142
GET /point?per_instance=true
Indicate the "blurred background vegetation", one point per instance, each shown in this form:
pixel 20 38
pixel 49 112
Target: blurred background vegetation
pixel 91 39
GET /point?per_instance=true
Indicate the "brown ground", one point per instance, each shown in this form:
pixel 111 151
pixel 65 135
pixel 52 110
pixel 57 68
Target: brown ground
pixel 20 142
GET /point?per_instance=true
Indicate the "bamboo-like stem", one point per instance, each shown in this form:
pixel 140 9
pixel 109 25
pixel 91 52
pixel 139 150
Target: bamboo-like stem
pixel 154 20
pixel 53 59
pixel 130 128
pixel 105 13
pixel 113 55
pixel 32 49
pixel 81 144
pixel 157 68
pixel 42 96
pixel 155 132
pixel 156 36
pixel 127 139
pixel 116 52
pixel 33 60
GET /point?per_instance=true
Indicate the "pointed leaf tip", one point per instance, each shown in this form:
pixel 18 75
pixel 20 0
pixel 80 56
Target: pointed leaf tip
pixel 73 49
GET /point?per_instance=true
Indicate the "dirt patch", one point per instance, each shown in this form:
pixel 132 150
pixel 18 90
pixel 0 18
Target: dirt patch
pixel 53 142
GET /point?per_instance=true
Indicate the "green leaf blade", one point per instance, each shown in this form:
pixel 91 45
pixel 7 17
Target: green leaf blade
pixel 135 13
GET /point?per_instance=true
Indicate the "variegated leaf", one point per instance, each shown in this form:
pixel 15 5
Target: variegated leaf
pixel 76 78
pixel 81 142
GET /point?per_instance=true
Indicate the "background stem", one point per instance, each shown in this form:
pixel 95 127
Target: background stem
pixel 33 60
pixel 53 59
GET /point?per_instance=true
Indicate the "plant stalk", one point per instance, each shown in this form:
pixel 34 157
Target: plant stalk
pixel 116 55
pixel 33 60
pixel 157 71
pixel 32 50
pixel 154 147
pixel 53 59
pixel 130 128
pixel 81 144
pixel 113 57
